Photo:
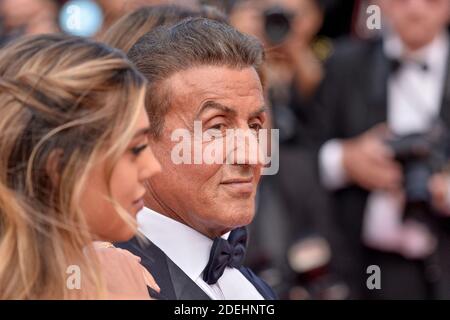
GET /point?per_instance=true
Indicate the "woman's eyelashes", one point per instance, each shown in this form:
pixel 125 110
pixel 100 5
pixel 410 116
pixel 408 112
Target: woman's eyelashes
pixel 136 151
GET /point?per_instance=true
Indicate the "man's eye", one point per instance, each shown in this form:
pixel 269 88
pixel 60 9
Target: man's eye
pixel 255 126
pixel 138 150
pixel 219 126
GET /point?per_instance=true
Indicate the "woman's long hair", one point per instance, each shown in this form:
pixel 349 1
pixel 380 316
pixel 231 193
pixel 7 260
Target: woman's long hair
pixel 64 101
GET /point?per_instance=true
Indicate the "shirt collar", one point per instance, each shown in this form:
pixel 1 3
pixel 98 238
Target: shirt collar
pixel 186 247
pixel 434 54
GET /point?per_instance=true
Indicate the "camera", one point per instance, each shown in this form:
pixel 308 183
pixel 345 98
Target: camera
pixel 421 155
pixel 277 24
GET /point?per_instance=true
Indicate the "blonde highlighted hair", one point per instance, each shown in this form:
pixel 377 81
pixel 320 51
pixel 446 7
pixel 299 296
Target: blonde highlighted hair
pixel 69 99
pixel 126 31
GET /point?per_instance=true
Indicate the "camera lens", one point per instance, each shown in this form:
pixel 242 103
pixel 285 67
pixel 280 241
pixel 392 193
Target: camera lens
pixel 417 175
pixel 277 25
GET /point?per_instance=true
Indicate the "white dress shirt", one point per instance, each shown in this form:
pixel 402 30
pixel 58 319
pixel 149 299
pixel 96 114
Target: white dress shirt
pixel 413 102
pixel 190 250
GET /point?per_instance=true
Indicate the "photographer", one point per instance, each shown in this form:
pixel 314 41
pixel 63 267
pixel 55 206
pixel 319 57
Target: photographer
pixel 26 17
pixel 381 98
pixel 293 70
pixel 290 33
pixel 291 205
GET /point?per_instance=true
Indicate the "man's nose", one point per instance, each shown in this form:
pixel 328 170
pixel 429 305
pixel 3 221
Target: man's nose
pixel 246 149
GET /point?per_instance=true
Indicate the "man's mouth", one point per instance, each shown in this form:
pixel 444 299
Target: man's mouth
pixel 239 185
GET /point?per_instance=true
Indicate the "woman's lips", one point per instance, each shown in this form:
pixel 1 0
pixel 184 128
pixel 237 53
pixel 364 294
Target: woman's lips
pixel 138 204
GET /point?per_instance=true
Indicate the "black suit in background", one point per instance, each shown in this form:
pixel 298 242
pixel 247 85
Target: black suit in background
pixel 351 100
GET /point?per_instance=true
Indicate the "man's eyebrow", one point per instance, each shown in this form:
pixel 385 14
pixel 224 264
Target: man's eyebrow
pixel 259 112
pixel 214 105
pixel 142 132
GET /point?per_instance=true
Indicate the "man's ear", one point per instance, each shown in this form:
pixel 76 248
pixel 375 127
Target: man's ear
pixel 52 166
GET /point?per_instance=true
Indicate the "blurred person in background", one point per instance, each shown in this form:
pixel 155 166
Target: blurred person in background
pixel 27 17
pixel 291 205
pixel 288 29
pixel 74 157
pixel 127 30
pixel 113 10
pixel 379 131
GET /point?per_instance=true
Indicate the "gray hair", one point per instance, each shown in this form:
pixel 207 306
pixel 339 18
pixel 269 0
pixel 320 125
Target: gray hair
pixel 191 43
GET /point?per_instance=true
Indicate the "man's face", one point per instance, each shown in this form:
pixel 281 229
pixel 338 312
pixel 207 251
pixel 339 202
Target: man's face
pixel 211 198
pixel 417 22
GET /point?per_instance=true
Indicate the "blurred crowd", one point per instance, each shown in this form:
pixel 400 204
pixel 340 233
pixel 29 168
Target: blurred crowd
pixel 364 148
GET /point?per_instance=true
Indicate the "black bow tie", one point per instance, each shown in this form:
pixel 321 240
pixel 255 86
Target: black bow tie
pixel 395 65
pixel 225 253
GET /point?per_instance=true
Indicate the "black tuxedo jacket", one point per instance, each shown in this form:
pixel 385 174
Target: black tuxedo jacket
pixel 173 282
pixel 351 100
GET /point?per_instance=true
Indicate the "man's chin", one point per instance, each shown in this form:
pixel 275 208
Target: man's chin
pixel 227 213
pixel 415 40
pixel 239 216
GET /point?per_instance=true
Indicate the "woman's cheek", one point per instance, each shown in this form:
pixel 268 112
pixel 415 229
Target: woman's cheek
pixel 124 183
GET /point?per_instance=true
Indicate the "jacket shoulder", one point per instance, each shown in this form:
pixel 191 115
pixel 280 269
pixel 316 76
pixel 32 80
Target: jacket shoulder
pixel 349 52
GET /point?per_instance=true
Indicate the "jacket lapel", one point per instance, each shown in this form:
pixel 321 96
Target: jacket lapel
pixel 155 261
pixel 184 287
pixel 173 282
pixel 376 88
pixel 263 288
